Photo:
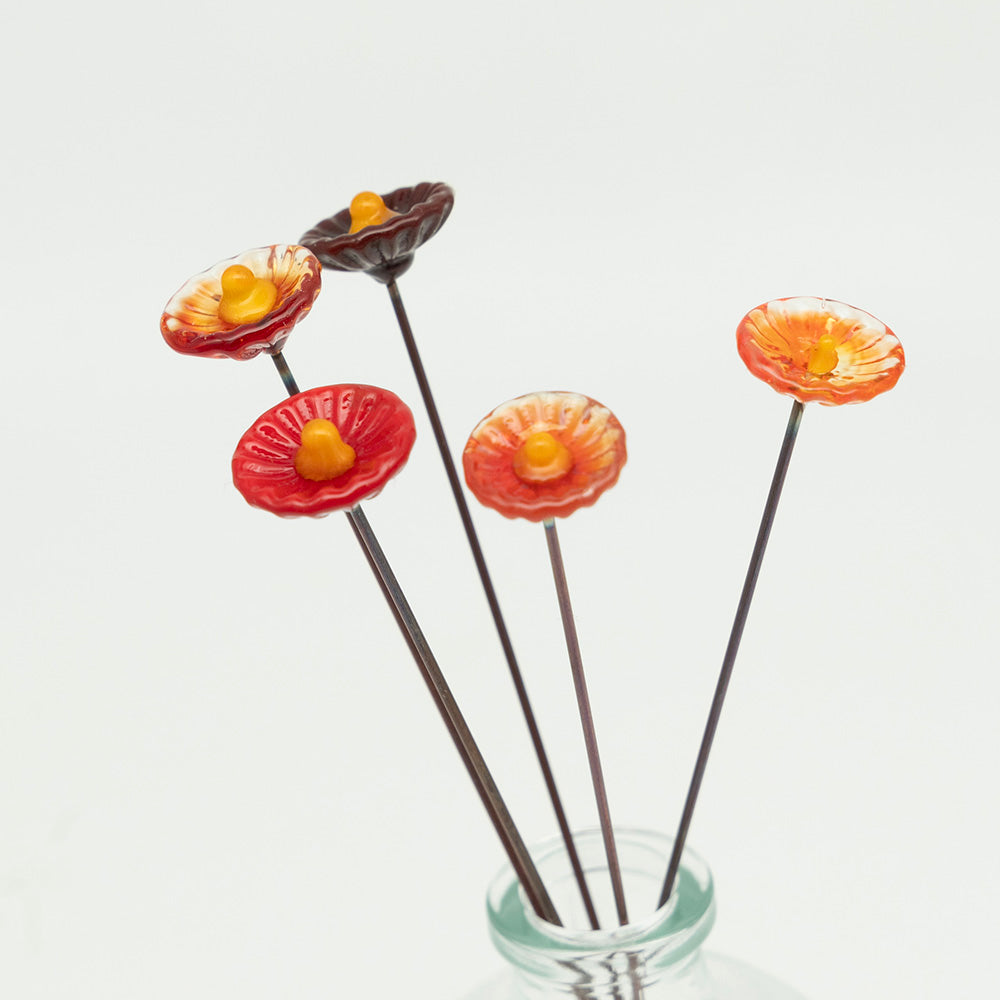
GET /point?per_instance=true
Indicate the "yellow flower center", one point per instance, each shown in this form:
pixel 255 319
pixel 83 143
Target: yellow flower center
pixel 245 297
pixel 823 357
pixel 542 459
pixel 368 209
pixel 324 454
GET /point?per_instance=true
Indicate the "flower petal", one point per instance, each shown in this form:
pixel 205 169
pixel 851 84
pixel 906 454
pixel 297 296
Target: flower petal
pixel 776 341
pixel 384 251
pixel 190 322
pixel 376 423
pixel 591 432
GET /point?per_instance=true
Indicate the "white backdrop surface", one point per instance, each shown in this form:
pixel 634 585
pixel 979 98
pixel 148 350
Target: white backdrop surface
pixel 219 773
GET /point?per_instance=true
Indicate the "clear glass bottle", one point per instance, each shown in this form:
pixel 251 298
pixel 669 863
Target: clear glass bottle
pixel 657 956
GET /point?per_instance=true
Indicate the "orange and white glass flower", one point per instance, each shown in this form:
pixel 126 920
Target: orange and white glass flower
pixel 243 306
pixel 820 350
pixel 544 455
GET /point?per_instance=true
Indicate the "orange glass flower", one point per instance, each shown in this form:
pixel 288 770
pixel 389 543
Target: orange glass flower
pixel 544 455
pixel 288 280
pixel 384 250
pixel 818 349
pixel 375 425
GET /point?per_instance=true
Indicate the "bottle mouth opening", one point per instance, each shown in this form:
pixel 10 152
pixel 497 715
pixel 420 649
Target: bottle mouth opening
pixel 677 927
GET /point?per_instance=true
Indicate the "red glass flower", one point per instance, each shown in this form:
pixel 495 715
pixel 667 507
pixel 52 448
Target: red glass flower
pixel 544 455
pixel 285 279
pixel 385 250
pixel 818 349
pixel 375 425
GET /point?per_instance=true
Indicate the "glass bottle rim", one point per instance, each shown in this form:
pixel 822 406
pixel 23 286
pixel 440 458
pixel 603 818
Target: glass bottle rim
pixel 676 929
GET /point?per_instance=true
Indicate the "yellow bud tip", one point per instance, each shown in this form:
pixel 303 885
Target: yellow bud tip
pixel 823 358
pixel 323 454
pixel 542 459
pixel 245 297
pixel 368 209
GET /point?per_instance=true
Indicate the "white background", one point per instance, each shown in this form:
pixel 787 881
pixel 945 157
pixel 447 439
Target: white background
pixel 219 773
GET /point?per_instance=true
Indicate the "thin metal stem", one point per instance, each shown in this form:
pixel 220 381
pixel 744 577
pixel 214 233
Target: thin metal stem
pixel 728 661
pixel 586 716
pixel 386 593
pixel 513 844
pixel 440 692
pixel 285 372
pixel 491 598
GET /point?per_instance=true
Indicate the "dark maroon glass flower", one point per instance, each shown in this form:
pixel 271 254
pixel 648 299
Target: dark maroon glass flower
pixel 384 250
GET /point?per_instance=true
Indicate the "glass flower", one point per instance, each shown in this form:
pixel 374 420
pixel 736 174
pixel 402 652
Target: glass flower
pixel 244 305
pixel 544 455
pixel 818 349
pixel 384 244
pixel 323 450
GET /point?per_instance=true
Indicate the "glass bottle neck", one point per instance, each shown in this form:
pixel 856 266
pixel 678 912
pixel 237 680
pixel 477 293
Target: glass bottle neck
pixel 654 956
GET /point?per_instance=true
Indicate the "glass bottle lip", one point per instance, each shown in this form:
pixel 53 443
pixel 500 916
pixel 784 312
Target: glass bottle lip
pixel 675 929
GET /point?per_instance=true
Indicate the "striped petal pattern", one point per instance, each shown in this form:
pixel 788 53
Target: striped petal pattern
pixel 591 432
pixel 190 322
pixel 776 341
pixel 377 424
pixel 384 251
